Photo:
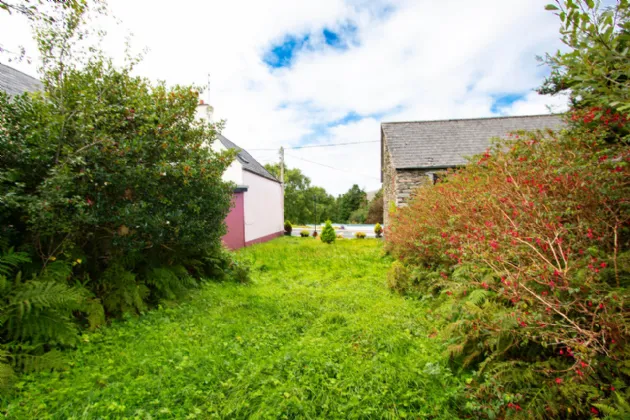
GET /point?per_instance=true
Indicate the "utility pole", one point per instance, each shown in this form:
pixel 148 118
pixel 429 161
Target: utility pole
pixel 315 206
pixel 208 96
pixel 282 167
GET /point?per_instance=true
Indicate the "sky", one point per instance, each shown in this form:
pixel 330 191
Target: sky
pixel 298 73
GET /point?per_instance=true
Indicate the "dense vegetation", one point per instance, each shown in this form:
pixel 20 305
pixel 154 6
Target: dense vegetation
pixel 526 251
pixel 303 203
pixel 316 334
pixel 110 199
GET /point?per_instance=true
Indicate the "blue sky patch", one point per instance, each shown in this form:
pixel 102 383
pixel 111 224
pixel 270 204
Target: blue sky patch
pixel 502 101
pixel 282 55
pixel 331 37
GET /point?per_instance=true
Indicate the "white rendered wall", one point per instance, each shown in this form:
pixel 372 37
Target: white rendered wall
pixel 264 211
pixel 234 173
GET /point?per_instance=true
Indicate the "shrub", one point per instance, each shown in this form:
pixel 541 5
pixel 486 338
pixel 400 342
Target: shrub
pixel 305 233
pixel 531 244
pixel 378 230
pixel 112 171
pixel 328 234
pixel 339 236
pixel 288 228
pixel 315 234
pixel 360 235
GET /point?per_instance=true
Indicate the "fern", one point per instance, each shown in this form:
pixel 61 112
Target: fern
pixel 122 292
pixel 10 260
pixel 6 372
pixel 38 313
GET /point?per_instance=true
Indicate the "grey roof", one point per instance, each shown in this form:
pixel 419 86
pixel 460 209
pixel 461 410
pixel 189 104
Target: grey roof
pixel 446 143
pixel 249 163
pixel 15 82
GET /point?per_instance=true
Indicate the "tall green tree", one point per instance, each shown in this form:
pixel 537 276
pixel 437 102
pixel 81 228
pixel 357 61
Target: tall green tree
pixel 301 199
pixel 595 68
pixel 375 208
pixel 351 201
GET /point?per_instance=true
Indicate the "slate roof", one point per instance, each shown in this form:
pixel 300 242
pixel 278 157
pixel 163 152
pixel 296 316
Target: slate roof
pixel 15 82
pixel 249 163
pixel 446 143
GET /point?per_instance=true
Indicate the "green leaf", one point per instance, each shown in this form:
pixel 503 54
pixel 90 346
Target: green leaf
pixel 551 7
pixel 590 4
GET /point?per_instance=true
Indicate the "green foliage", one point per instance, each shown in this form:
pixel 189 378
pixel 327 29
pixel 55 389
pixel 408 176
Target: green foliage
pixel 37 313
pixel 316 335
pixel 328 233
pixel 301 198
pixel 108 187
pixel 596 65
pixel 398 277
pixel 305 233
pixel 375 208
pixel 378 230
pixel 288 228
pixel 360 235
pixel 358 216
pixel 354 199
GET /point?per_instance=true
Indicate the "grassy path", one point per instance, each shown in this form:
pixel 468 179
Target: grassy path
pixel 315 335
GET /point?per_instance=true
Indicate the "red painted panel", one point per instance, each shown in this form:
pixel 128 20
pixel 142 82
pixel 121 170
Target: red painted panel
pixel 235 221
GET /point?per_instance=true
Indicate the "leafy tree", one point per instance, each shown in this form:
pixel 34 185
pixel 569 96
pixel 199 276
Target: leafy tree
pixel 375 209
pixel 359 215
pixel 108 187
pixel 50 12
pixel 329 235
pixel 300 198
pixel 352 200
pixel 596 67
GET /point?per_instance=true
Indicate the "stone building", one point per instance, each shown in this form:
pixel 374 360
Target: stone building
pixel 413 154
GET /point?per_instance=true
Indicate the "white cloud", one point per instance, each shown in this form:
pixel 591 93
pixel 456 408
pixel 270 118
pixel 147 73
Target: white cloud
pixel 407 60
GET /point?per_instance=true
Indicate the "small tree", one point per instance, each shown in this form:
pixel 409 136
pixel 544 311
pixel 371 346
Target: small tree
pixel 328 234
pixel 288 228
pixel 378 230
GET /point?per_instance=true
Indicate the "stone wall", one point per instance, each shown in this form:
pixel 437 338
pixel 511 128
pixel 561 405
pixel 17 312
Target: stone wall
pixel 408 181
pixel 389 184
pixel 400 185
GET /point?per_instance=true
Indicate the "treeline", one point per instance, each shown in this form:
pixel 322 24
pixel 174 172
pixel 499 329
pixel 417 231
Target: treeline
pixel 525 252
pixel 302 200
pixel 110 200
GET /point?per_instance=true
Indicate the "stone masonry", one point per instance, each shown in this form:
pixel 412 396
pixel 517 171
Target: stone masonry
pixel 400 185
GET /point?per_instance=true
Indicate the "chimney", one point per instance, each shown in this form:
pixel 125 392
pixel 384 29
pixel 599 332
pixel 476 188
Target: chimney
pixel 204 111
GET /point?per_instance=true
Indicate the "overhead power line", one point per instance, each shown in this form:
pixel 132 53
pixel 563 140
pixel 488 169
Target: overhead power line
pixel 332 167
pixel 323 145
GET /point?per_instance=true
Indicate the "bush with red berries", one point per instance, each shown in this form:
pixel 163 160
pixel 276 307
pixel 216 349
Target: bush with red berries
pixel 532 244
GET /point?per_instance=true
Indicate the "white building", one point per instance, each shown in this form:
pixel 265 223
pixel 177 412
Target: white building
pixel 257 214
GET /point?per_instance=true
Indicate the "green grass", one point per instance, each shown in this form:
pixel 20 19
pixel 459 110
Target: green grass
pixel 316 334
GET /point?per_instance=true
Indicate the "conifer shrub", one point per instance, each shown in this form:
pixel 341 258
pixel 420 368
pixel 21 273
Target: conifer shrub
pixel 328 234
pixel 288 228
pixel 378 230
pixel 530 250
pixel 305 233
pixel 360 235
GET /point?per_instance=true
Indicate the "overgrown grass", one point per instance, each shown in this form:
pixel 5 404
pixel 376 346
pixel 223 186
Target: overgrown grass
pixel 316 334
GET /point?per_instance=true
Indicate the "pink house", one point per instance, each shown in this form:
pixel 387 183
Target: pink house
pixel 257 214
